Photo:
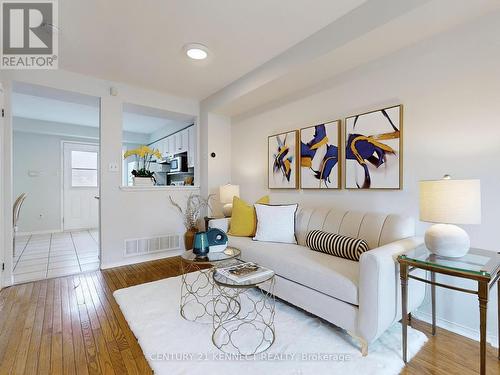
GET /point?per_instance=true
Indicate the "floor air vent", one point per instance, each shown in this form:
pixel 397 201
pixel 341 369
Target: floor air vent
pixel 139 246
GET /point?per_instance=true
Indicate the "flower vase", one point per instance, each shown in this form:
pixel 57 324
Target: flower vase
pixel 189 238
pixel 143 181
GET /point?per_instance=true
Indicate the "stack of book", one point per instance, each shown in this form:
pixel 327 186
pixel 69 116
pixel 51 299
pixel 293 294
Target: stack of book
pixel 244 272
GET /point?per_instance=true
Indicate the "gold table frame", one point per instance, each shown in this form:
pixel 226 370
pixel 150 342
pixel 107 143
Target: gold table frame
pixel 485 278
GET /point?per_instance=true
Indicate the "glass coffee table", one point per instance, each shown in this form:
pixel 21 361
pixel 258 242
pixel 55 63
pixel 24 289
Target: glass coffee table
pixel 243 318
pixel 479 265
pixel 197 288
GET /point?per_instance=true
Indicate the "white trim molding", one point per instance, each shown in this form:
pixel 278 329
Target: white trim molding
pixel 142 259
pixel 35 232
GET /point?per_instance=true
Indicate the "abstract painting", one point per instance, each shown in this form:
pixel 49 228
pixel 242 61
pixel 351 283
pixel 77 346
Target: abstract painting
pixel 373 157
pixel 319 156
pixel 282 153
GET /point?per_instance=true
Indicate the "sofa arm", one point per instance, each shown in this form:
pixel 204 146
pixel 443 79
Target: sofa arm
pixel 379 288
pixel 222 223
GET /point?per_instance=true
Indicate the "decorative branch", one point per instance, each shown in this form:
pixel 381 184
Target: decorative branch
pixel 194 207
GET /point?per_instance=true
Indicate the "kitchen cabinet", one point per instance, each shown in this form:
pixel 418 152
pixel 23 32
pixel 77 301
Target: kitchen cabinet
pixel 171 145
pixel 162 147
pixel 191 146
pixel 178 140
pixel 154 146
pixel 185 140
pixel 181 140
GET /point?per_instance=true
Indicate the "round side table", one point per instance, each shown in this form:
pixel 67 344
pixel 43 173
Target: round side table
pixel 250 330
pixel 197 288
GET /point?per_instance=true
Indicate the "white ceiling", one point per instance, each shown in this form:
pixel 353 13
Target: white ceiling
pixel 140 42
pixel 53 110
pixel 375 29
pixel 82 110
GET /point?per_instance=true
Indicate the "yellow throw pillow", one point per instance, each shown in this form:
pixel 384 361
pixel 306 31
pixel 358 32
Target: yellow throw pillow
pixel 244 219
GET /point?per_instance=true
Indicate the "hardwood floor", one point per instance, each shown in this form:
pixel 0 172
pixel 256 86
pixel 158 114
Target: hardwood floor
pixel 72 325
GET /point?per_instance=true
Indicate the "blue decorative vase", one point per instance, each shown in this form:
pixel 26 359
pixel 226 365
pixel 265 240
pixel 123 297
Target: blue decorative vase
pixel 201 244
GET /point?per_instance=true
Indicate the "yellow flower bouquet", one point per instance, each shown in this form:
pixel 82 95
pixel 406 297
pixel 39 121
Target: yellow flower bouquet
pixel 144 156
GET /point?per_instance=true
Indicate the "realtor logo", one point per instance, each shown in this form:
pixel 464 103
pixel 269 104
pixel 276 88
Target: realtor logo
pixel 29 34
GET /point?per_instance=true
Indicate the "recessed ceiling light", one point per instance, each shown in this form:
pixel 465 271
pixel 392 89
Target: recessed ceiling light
pixel 196 51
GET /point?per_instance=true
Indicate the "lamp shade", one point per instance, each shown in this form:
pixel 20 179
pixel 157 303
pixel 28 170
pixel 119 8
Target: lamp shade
pixel 227 192
pixel 450 201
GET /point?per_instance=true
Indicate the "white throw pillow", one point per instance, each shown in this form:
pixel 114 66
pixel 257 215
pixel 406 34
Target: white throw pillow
pixel 276 223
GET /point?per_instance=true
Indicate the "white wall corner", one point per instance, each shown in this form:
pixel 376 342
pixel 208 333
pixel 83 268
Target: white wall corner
pixel 6 186
pixel 215 145
pixel 203 147
pixel 219 167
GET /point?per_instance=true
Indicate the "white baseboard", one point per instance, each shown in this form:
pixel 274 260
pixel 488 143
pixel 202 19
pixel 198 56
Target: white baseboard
pixel 142 259
pixel 47 231
pixel 455 328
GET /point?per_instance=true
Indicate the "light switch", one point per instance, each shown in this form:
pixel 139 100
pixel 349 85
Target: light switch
pixel 113 167
pixel 34 173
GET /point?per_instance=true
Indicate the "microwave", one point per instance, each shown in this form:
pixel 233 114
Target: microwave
pixel 178 164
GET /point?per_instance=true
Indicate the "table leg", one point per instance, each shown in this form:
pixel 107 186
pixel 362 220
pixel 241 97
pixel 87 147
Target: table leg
pixel 404 309
pixel 483 306
pixel 433 302
pixel 498 316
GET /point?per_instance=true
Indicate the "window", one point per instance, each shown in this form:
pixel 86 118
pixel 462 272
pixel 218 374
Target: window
pixel 83 169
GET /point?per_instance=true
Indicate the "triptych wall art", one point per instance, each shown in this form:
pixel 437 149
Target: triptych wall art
pixel 314 156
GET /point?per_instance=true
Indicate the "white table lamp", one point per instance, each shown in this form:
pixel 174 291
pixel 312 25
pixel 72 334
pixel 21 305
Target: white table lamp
pixel 227 193
pixel 448 202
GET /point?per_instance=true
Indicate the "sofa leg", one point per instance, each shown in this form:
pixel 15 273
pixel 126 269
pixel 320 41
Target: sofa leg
pixel 364 347
pixel 362 342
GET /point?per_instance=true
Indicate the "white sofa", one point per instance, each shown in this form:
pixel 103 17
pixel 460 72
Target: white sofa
pixel 364 297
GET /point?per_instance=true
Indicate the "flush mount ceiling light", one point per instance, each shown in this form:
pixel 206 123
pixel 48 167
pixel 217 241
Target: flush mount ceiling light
pixel 196 51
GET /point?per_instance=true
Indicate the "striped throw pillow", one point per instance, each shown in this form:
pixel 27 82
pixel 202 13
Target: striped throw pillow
pixel 335 244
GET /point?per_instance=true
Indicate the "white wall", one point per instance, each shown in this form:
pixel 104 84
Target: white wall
pixel 215 171
pixel 124 214
pixel 41 153
pixel 219 167
pixel 449 87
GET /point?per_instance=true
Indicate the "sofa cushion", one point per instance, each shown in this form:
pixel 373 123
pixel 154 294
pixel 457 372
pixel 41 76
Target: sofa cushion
pixel 276 223
pixel 376 229
pixel 336 277
pixel 244 219
pixel 336 245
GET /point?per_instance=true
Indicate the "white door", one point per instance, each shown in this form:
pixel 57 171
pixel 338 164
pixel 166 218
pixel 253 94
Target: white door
pixel 80 186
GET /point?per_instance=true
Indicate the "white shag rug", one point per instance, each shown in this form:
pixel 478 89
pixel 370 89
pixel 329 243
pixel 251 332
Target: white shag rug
pixel 304 344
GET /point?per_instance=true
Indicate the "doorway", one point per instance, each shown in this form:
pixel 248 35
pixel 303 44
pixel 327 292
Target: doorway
pixel 55 163
pixel 2 173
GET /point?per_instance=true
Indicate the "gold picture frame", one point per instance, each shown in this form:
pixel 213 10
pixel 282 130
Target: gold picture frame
pixel 379 143
pixel 282 160
pixel 308 175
